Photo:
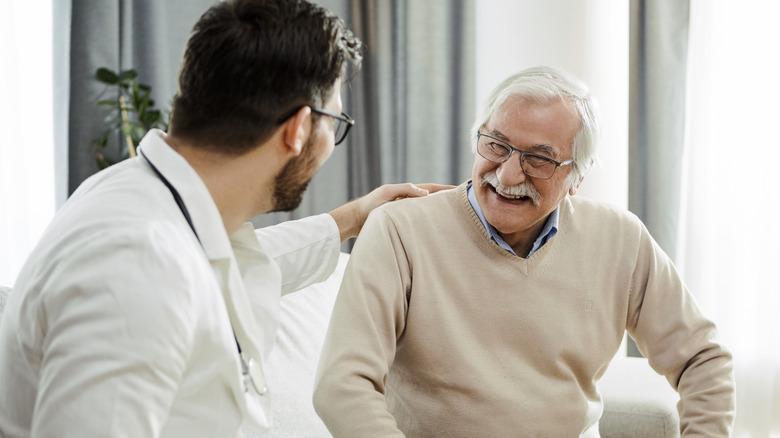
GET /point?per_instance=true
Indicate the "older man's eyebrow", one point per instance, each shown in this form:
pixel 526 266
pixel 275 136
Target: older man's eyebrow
pixel 499 135
pixel 544 148
pixel 538 148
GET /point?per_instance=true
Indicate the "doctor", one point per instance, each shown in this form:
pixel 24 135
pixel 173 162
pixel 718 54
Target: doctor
pixel 150 305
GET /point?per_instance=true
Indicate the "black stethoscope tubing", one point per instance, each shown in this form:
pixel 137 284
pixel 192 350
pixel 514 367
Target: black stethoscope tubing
pixel 247 367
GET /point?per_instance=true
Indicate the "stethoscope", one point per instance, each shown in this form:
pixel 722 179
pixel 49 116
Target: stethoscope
pixel 250 370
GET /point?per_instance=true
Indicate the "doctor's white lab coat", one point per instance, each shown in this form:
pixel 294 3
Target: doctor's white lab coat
pixel 120 321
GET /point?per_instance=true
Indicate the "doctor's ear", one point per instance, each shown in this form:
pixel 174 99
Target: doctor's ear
pixel 296 130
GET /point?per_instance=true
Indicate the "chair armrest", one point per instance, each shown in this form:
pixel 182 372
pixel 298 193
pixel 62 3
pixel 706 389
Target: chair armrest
pixel 4 291
pixel 638 402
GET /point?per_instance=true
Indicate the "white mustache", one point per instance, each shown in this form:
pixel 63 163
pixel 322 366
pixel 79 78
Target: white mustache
pixel 523 189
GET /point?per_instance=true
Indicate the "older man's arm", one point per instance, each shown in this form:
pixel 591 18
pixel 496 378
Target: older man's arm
pixel 368 318
pixel 682 344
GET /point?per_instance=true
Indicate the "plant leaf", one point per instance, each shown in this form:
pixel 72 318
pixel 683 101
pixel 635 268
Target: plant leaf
pixel 111 103
pixel 128 75
pixel 106 76
pixel 131 98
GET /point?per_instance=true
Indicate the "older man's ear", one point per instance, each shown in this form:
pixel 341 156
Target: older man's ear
pixel 574 187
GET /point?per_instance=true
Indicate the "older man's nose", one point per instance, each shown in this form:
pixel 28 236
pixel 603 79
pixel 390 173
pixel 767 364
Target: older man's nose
pixel 510 172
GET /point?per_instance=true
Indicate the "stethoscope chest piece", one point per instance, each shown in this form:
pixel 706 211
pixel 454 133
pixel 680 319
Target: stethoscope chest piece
pixel 253 376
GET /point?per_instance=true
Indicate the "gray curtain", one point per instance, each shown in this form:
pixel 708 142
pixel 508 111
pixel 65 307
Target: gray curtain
pixel 657 73
pixel 61 21
pixel 413 100
pixel 658 60
pixel 145 35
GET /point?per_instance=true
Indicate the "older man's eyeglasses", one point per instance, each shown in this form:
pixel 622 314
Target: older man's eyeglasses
pixel 343 124
pixel 498 151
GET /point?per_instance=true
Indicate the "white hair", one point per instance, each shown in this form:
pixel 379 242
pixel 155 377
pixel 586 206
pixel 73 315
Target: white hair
pixel 545 84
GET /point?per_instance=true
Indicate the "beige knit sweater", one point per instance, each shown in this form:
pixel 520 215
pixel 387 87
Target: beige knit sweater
pixel 438 332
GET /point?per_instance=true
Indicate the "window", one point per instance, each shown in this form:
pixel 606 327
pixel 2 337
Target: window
pixel 26 150
pixel 729 250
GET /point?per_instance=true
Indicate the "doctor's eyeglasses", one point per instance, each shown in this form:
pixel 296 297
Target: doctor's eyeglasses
pixel 343 124
pixel 340 130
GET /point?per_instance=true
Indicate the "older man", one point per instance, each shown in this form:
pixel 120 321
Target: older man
pixel 493 309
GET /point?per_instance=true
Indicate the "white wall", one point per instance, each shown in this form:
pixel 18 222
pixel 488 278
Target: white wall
pixel 586 38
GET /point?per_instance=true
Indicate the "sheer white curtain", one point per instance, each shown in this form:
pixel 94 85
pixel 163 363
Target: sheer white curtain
pixel 730 248
pixel 27 201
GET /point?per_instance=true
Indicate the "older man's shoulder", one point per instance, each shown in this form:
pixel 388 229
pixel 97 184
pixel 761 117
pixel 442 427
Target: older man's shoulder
pixel 592 210
pixel 422 206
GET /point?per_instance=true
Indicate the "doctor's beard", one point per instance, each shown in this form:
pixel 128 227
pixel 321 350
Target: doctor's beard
pixel 291 182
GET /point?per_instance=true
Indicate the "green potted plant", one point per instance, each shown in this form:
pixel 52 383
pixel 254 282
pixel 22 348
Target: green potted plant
pixel 131 113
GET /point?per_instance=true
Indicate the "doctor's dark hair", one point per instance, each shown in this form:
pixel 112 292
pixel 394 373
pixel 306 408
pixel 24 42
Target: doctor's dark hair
pixel 249 63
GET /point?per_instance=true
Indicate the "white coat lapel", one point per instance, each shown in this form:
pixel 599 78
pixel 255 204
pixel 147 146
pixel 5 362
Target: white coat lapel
pixel 256 405
pixel 208 226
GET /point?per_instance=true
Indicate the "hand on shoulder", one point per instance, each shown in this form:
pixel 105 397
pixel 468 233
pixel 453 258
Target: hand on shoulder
pixel 351 216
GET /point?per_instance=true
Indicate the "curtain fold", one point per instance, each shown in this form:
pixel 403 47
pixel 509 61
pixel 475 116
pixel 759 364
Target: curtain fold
pixel 658 46
pixel 61 19
pixel 657 77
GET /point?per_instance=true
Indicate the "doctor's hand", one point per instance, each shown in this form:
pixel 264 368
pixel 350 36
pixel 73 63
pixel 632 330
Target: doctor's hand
pixel 351 216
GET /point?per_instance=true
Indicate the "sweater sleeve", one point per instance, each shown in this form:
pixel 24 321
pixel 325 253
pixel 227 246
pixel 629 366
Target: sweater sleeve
pixel 360 346
pixel 681 344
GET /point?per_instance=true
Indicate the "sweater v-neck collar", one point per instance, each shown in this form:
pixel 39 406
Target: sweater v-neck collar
pixel 481 235
pixel 549 229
